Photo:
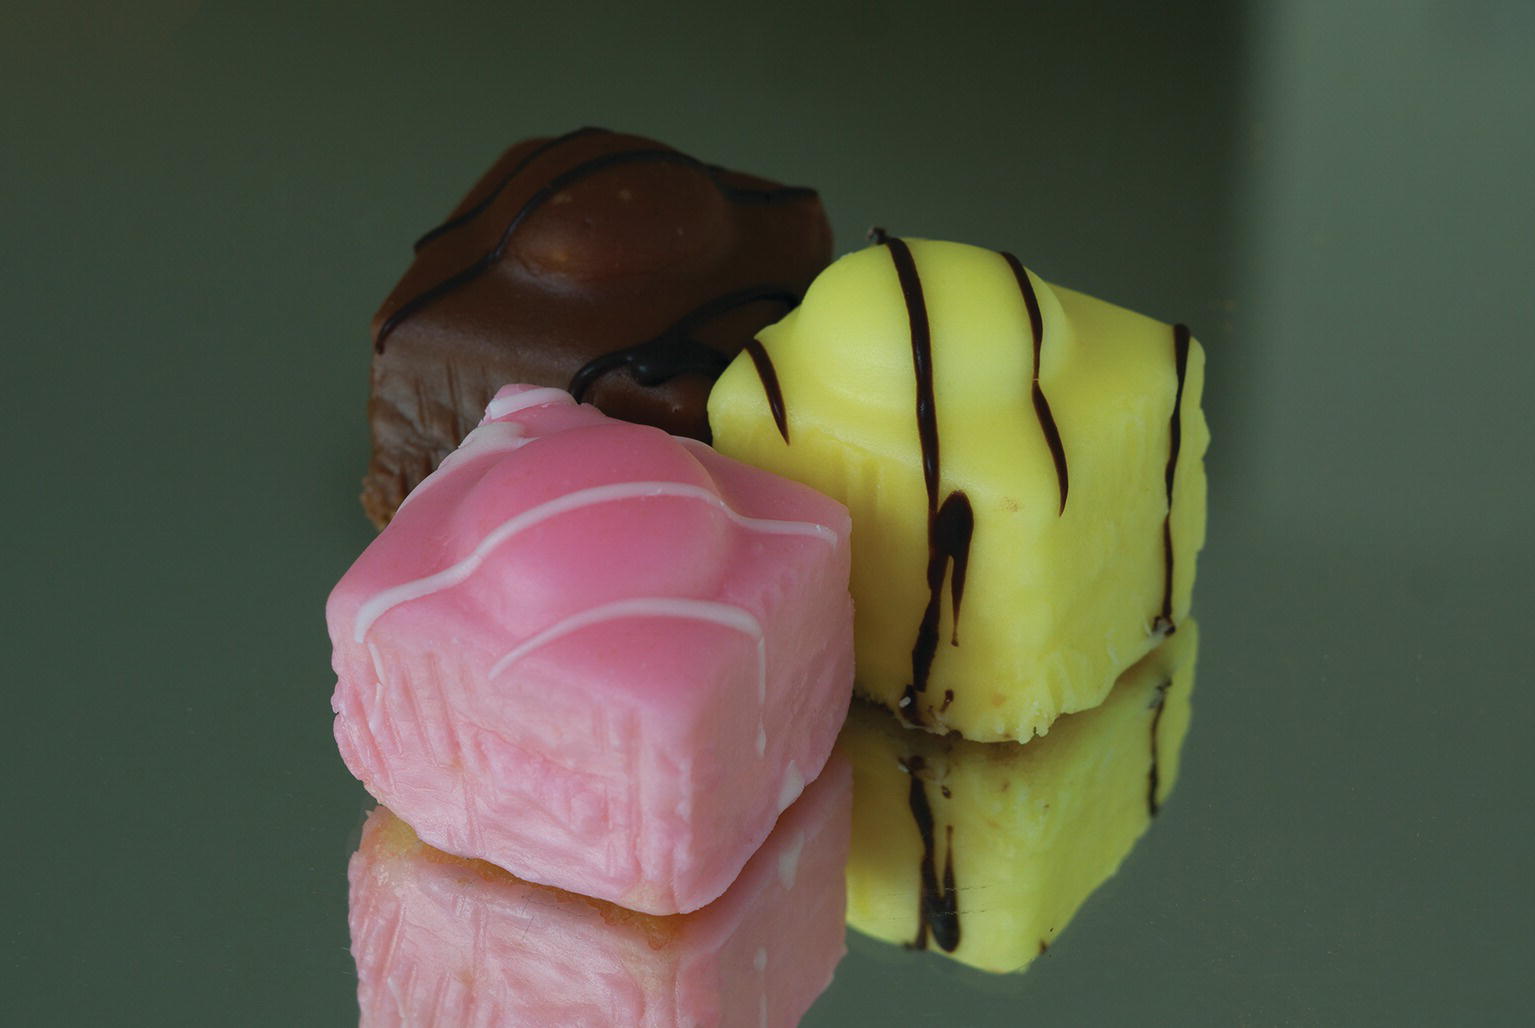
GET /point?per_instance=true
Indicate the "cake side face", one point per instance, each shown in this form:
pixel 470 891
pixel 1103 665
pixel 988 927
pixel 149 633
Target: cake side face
pixel 596 655
pixel 440 939
pixel 603 263
pixel 1008 450
pixel 985 851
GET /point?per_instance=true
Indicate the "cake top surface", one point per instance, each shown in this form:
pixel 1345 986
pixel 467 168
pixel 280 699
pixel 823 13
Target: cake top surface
pixel 593 253
pixel 551 519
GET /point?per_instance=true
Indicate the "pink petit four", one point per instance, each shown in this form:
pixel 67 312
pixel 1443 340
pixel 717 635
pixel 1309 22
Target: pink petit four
pixel 441 940
pixel 599 656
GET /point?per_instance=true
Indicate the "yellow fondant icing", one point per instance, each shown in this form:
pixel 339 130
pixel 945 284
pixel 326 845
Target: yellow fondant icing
pixel 1056 604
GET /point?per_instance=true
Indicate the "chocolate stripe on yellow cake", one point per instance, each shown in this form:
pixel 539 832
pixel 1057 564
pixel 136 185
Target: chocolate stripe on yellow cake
pixel 1164 623
pixel 1041 404
pixel 769 378
pixel 938 909
pixel 1153 775
pixel 950 525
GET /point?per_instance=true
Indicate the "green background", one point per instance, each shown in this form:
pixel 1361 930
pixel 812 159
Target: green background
pixel 203 203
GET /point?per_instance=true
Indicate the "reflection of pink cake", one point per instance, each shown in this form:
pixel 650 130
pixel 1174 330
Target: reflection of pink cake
pixel 443 940
pixel 596 655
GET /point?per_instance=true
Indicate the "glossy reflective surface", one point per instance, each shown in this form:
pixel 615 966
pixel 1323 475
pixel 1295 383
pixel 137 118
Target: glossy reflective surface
pixel 443 940
pixel 203 203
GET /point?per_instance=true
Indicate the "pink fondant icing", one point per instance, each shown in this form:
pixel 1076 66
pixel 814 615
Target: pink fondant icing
pixel 595 655
pixel 440 940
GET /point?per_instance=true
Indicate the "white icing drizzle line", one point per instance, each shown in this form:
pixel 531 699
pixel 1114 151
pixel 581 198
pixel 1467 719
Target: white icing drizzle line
pixel 489 438
pixel 493 435
pixel 510 403
pixel 647 607
pixel 385 600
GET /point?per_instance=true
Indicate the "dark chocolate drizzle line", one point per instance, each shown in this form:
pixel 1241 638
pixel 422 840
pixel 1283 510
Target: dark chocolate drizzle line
pixel 951 525
pixel 675 352
pixel 651 363
pixel 1163 625
pixel 490 197
pixel 948 540
pixel 749 195
pixel 1153 781
pixel 569 177
pixel 1041 405
pixel 769 378
pixel 921 361
pixel 938 905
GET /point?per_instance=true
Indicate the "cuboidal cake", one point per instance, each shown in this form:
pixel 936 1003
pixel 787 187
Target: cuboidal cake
pixel 597 655
pixel 604 263
pixel 1024 466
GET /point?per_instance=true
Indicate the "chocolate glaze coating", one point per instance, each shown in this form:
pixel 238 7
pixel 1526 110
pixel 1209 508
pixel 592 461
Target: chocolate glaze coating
pixel 600 262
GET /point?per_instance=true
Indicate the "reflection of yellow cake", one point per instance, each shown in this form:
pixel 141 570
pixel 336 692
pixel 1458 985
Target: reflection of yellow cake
pixel 985 851
pixel 1025 449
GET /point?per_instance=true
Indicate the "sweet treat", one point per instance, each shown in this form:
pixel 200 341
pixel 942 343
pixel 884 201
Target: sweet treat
pixel 602 263
pixel 1023 464
pixel 441 940
pixel 984 851
pixel 597 655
